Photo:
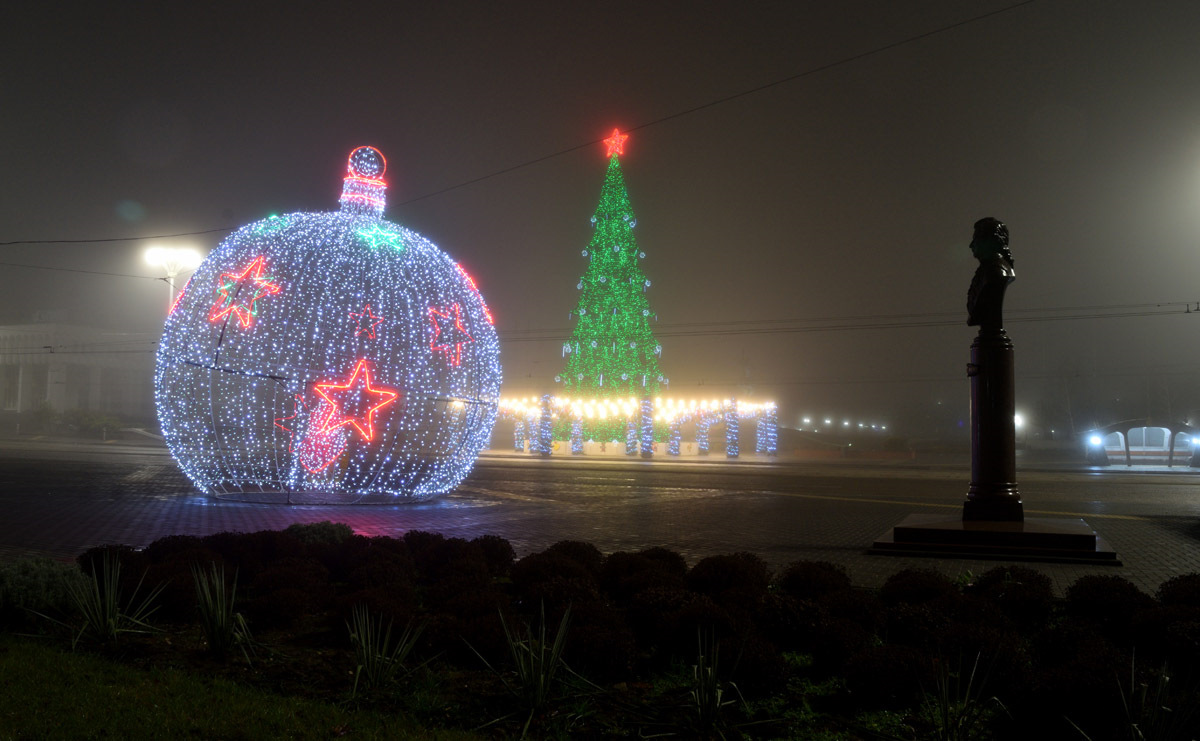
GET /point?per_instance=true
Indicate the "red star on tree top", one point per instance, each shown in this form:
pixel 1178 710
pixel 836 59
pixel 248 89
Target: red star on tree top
pixel 354 402
pixel 616 142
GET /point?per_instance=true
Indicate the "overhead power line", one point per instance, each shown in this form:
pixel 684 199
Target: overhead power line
pixel 77 270
pixel 655 122
pixel 116 239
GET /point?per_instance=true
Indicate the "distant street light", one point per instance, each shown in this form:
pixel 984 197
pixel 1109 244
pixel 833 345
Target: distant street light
pixel 173 261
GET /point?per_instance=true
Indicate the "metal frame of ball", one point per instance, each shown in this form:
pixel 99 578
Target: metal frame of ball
pixel 232 399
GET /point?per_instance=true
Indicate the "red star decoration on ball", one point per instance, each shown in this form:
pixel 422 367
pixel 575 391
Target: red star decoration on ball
pixel 616 142
pixel 354 402
pixel 366 322
pixel 238 292
pixel 449 334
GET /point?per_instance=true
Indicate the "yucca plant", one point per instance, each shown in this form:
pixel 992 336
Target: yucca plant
pixel 538 662
pixel 708 692
pixel 958 709
pixel 1153 711
pixel 378 656
pixel 97 598
pixel 223 628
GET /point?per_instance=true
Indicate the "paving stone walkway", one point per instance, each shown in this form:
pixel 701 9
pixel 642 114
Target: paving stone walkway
pixel 60 498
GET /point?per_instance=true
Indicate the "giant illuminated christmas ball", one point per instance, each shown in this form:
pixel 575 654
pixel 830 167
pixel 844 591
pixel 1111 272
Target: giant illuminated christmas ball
pixel 329 357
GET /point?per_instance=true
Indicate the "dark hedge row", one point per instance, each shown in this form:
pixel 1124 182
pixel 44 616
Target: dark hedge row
pixel 638 614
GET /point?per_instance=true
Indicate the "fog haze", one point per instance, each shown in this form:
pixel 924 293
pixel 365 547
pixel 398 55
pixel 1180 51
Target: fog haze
pixel 807 241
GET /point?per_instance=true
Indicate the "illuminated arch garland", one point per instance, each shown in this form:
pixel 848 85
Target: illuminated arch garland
pixel 329 357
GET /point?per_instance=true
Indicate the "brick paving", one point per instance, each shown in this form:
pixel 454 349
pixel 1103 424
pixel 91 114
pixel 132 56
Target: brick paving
pixel 60 498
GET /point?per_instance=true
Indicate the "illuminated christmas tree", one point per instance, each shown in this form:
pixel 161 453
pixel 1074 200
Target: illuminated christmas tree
pixel 612 351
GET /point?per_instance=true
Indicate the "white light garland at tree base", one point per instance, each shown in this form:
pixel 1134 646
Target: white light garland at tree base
pixel 329 357
pixel 645 423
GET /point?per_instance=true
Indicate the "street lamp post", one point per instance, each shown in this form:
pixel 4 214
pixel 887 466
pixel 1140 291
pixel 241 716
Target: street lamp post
pixel 173 261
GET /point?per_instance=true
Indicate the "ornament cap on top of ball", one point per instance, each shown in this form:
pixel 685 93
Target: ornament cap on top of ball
pixel 363 189
pixel 367 162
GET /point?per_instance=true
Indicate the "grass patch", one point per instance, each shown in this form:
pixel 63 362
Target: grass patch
pixel 49 693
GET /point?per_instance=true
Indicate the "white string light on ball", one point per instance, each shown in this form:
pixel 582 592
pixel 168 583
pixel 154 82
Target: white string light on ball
pixel 329 357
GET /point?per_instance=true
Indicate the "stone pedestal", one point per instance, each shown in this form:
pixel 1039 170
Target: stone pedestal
pixel 1033 539
pixel 992 495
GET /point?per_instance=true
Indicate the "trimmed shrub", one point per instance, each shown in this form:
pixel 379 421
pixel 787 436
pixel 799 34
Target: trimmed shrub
pixel 809 580
pixel 787 622
pixel 381 565
pixel 320 533
pixel 849 621
pixel 468 573
pixel 1005 664
pixel 422 546
pixel 1023 595
pixel 35 584
pixel 440 560
pixel 1109 602
pixel 665 623
pixel 918 625
pixel 836 643
pixel 625 574
pixel 600 645
pixel 471 621
pixel 555 578
pixel 132 562
pixel 860 607
pixel 754 664
pixel 889 676
pixel 395 605
pixel 735 577
pixel 172 545
pixel 672 561
pixel 287 590
pixel 914 586
pixel 1168 633
pixel 497 552
pixel 585 554
pixel 177 601
pixel 1075 676
pixel 1182 591
pixel 250 553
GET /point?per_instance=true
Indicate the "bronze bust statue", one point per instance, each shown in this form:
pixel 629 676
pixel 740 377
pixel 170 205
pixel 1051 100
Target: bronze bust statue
pixel 985 298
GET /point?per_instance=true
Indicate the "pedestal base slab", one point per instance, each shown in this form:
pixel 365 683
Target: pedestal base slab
pixel 1035 539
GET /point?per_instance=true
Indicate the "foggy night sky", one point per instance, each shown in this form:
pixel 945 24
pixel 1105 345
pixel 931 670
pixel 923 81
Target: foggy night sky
pixel 849 192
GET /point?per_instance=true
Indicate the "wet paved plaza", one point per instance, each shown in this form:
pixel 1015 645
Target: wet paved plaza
pixel 59 498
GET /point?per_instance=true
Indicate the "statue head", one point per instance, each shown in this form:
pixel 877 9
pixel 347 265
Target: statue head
pixel 990 241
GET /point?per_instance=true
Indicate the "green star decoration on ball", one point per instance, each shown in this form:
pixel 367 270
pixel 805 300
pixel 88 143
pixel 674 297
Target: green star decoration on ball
pixel 272 223
pixel 378 235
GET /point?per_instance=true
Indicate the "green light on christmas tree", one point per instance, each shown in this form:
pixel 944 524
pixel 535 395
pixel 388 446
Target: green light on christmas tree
pixel 612 351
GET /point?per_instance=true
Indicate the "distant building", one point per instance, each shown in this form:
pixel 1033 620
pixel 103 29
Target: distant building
pixel 68 367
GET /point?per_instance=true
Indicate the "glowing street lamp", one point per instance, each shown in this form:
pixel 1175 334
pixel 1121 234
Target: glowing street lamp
pixel 173 261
